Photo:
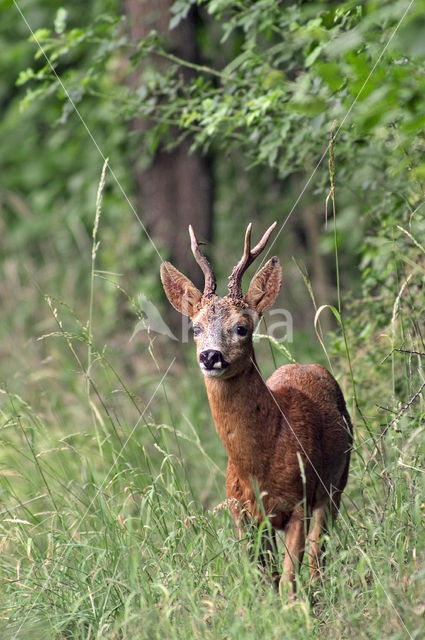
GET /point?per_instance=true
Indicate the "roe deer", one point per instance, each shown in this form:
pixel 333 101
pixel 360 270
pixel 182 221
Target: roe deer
pixel 288 440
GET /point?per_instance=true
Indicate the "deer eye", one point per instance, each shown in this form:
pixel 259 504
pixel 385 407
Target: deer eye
pixel 196 330
pixel 241 330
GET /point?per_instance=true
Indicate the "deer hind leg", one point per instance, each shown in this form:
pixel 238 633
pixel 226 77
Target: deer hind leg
pixel 295 545
pixel 316 545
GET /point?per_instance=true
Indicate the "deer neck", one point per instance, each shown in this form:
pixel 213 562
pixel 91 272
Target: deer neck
pixel 246 418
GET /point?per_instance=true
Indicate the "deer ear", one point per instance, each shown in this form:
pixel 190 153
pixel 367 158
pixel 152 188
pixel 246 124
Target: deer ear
pixel 180 291
pixel 264 287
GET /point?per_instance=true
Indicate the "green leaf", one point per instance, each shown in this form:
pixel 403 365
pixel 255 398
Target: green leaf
pixel 312 57
pixel 40 35
pixel 309 106
pixel 60 20
pixel 331 74
pixel 25 76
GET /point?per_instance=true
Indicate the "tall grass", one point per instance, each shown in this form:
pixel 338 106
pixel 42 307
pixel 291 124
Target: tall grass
pixel 109 520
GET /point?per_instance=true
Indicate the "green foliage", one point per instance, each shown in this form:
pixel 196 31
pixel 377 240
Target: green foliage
pixel 296 70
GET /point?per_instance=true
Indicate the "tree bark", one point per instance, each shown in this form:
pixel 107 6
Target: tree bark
pixel 176 189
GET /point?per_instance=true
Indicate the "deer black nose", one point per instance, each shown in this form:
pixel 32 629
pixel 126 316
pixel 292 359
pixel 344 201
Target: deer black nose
pixel 212 359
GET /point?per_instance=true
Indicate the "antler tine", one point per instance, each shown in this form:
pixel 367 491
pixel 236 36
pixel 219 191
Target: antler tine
pixel 248 257
pixel 247 244
pixel 210 283
pixel 260 246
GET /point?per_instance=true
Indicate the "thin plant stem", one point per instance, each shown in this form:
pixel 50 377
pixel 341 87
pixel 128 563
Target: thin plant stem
pixel 95 246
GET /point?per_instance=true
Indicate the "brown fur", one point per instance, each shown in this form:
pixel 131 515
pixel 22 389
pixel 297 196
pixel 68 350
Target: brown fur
pixel 287 439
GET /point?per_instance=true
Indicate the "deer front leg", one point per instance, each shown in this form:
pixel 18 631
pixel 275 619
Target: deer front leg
pixel 323 517
pixel 295 545
pixel 241 501
pixel 267 556
pixel 247 527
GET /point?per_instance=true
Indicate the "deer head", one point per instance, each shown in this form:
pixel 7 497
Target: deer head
pixel 223 327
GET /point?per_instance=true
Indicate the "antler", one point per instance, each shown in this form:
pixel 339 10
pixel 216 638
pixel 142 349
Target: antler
pixel 210 283
pixel 248 257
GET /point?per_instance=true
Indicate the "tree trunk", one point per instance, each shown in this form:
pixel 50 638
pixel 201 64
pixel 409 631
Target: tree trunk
pixel 176 190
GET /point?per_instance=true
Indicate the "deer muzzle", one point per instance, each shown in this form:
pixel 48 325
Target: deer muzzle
pixel 212 362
